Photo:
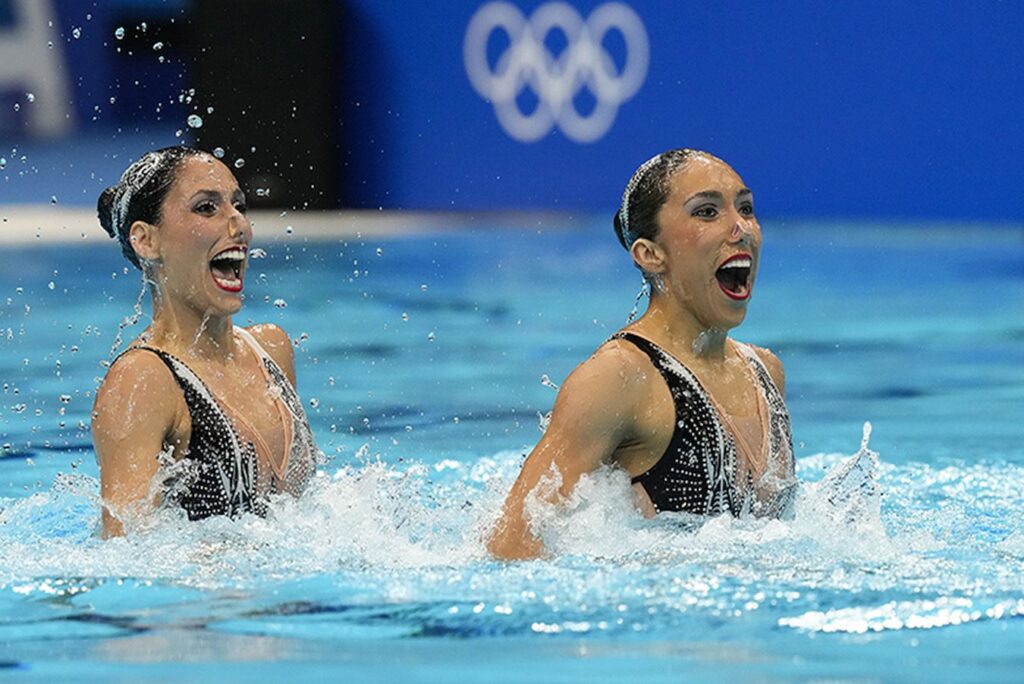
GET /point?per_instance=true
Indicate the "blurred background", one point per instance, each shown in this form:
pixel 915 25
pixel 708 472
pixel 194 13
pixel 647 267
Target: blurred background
pixel 866 110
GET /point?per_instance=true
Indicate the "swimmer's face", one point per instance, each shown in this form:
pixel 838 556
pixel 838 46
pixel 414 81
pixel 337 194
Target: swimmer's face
pixel 710 242
pixel 203 238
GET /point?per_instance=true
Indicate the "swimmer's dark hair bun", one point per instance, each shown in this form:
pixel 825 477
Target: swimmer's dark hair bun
pixel 617 224
pixel 105 211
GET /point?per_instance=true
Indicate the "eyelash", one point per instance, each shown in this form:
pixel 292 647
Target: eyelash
pixel 702 211
pixel 209 207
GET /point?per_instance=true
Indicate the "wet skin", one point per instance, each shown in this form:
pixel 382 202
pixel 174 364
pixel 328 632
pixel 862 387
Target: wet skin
pixel 139 409
pixel 615 408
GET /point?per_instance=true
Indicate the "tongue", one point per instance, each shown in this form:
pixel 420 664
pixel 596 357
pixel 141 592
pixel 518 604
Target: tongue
pixel 732 279
pixel 223 270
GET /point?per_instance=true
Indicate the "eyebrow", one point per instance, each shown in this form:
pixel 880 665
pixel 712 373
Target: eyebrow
pixel 715 194
pixel 708 194
pixel 215 194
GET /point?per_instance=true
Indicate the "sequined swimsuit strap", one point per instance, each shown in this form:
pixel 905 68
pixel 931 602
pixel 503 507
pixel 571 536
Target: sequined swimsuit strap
pixel 282 409
pixel 695 473
pixel 779 430
pixel 226 482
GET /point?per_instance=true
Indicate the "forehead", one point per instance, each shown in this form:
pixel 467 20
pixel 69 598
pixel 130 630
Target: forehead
pixel 204 172
pixel 704 174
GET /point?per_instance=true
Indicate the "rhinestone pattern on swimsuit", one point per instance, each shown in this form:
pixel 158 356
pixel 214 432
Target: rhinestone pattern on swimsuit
pixel 697 472
pixel 223 468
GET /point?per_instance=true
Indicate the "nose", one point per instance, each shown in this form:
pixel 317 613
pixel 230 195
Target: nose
pixel 742 231
pixel 239 226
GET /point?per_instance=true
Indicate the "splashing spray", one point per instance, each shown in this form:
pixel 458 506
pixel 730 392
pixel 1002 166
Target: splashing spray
pixel 645 289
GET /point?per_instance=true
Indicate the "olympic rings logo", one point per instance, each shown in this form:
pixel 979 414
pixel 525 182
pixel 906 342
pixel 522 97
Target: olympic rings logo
pixel 556 81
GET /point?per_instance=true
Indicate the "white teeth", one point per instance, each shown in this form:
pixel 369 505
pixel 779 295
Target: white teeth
pixel 235 254
pixel 228 282
pixel 737 263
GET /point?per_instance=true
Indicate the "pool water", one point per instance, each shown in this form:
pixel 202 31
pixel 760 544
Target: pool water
pixel 421 361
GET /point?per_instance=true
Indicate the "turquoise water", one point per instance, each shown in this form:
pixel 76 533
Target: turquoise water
pixel 421 360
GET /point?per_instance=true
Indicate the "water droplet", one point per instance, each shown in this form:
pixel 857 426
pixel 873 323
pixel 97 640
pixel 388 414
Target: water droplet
pixel 405 316
pixel 53 199
pixel 195 121
pixel 257 253
pixel 280 303
pixel 31 97
pixel 76 32
pixel 314 403
pixel 119 33
pixel 218 152
pixel 65 398
pixel 423 288
pixel 158 45
pixel 239 163
pixel 209 110
pixel 289 230
pixel 431 336
pixel 52 285
pixel 113 99
pixel 380 252
pixel 3 162
pixel 17 107
pixel 143 26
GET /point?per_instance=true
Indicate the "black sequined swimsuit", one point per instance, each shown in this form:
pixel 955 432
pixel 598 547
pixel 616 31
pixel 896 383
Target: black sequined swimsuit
pixel 221 469
pixel 697 472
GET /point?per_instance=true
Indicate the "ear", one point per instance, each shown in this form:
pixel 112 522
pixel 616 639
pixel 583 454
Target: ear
pixel 648 255
pixel 145 240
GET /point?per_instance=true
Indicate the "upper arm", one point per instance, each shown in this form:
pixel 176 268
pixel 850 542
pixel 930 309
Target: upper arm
pixel 134 415
pixel 774 366
pixel 593 414
pixel 275 342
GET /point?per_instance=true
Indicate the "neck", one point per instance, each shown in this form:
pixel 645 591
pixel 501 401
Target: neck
pixel 189 333
pixel 684 333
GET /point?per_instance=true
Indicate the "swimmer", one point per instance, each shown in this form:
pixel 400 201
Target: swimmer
pixel 196 412
pixel 696 418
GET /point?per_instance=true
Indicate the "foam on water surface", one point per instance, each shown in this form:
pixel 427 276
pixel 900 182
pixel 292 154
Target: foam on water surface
pixel 428 353
pixel 380 551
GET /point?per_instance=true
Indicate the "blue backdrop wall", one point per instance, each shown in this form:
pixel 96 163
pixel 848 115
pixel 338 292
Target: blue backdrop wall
pixel 904 110
pixel 851 109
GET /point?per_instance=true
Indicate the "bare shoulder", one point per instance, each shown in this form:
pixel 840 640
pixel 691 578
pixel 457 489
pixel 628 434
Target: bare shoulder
pixel 277 344
pixel 138 391
pixel 137 370
pixel 773 364
pixel 616 373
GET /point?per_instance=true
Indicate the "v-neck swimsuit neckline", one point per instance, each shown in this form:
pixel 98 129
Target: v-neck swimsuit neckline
pixel 697 473
pixel 219 471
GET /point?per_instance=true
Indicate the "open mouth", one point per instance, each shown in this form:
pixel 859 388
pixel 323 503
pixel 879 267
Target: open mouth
pixel 734 277
pixel 227 267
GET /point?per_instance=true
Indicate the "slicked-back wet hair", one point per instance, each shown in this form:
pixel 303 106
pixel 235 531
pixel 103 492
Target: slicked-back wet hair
pixel 647 191
pixel 140 194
